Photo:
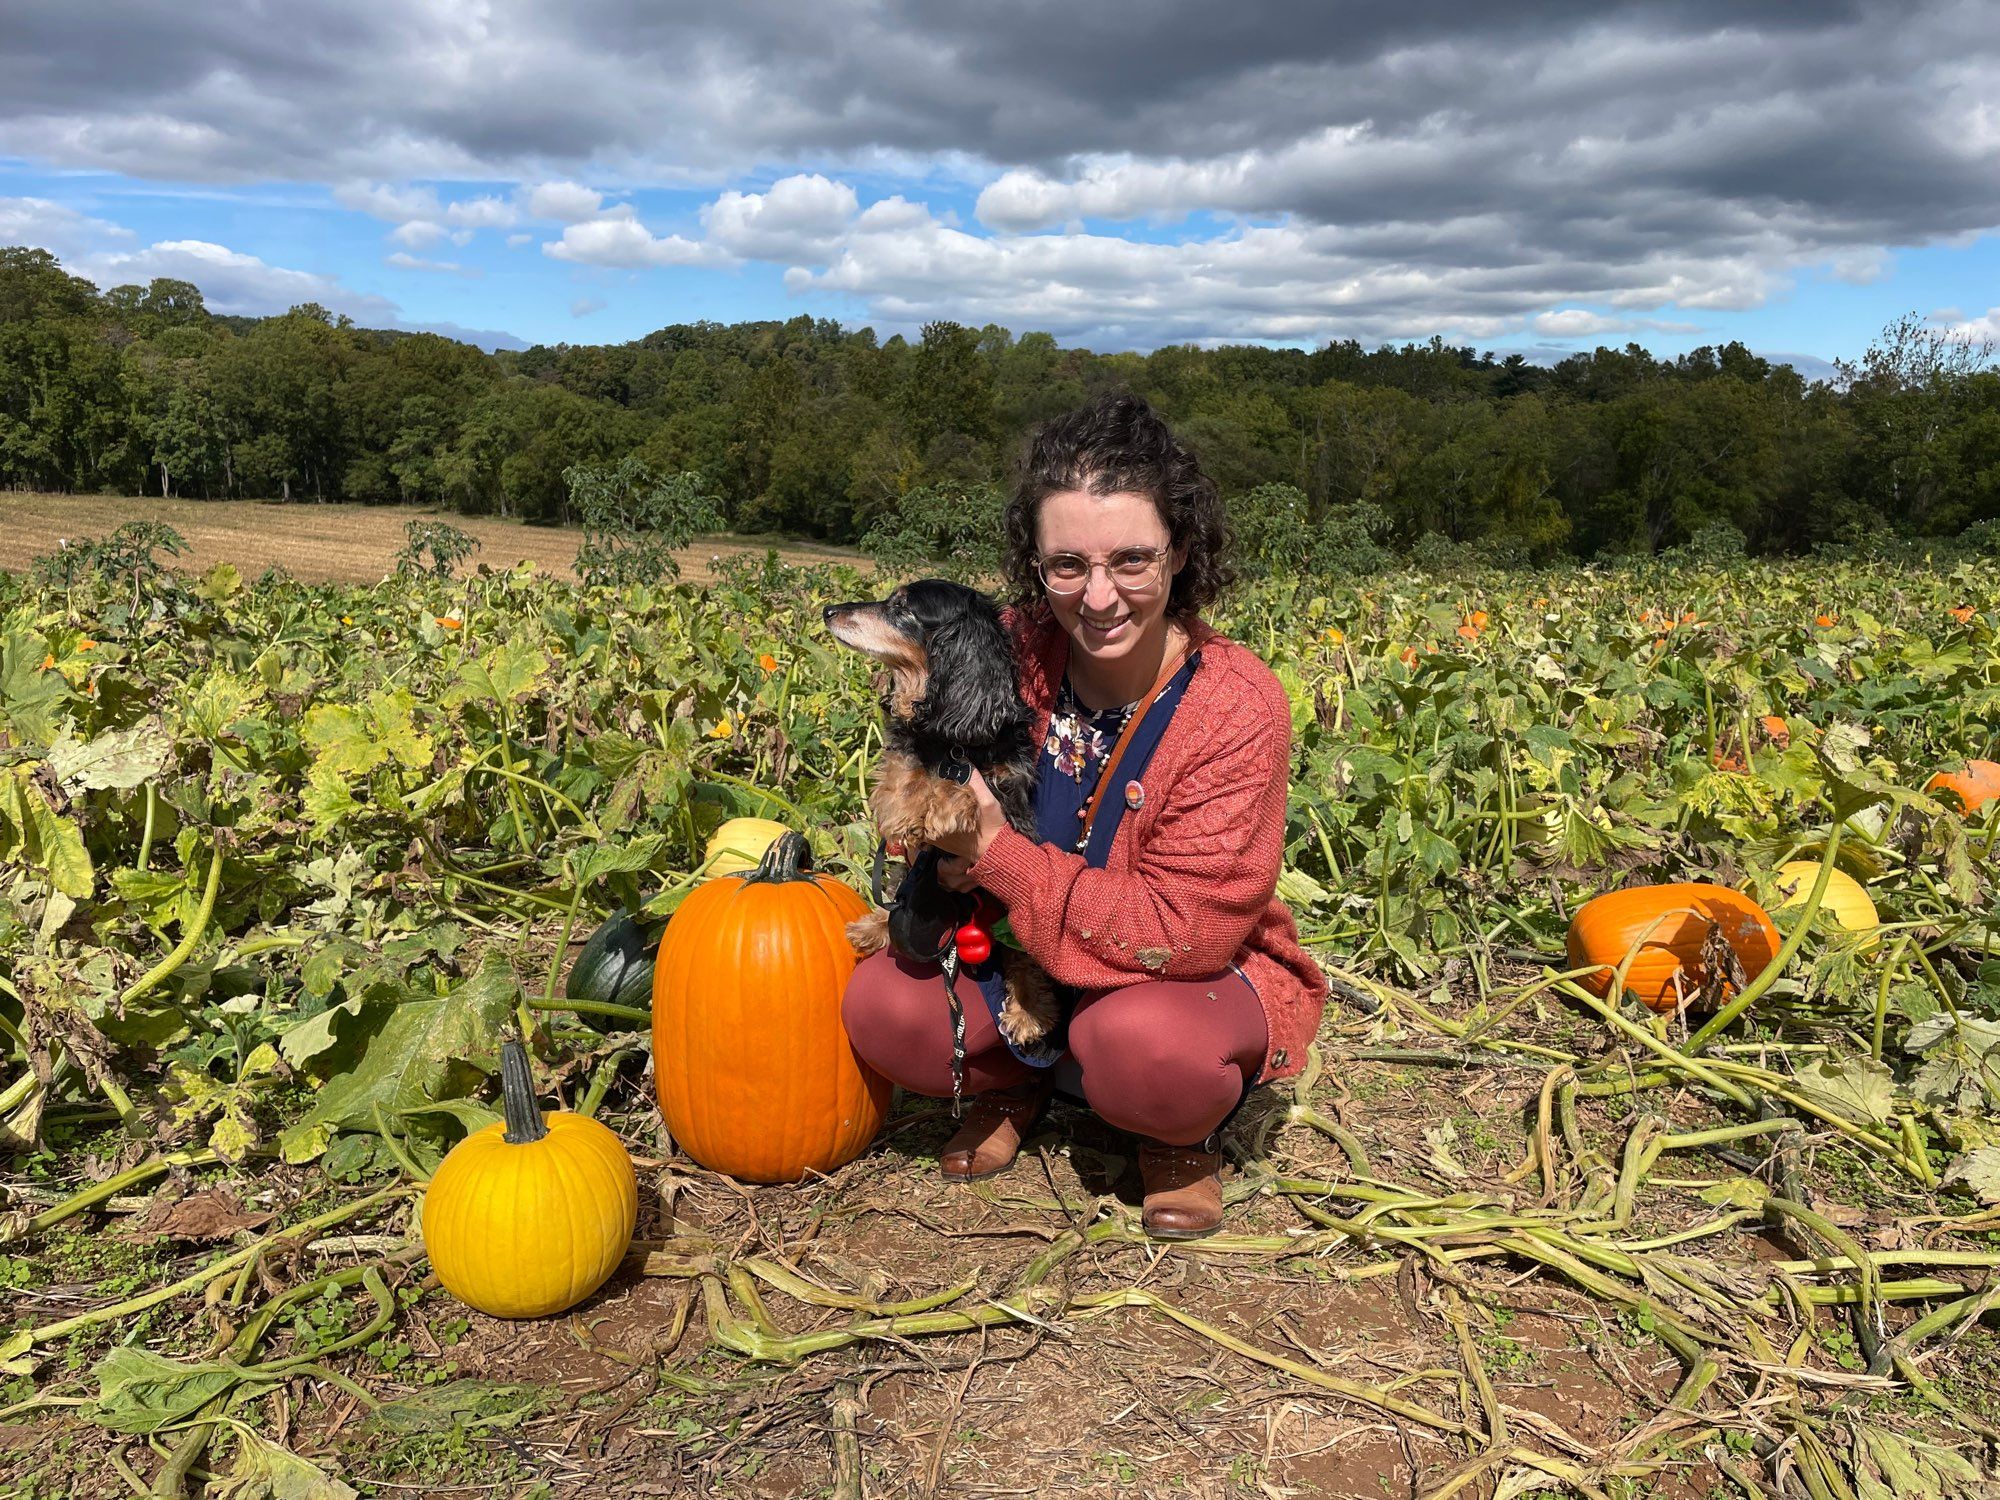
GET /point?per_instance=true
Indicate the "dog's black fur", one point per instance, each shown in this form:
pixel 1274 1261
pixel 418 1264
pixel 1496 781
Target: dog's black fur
pixel 954 700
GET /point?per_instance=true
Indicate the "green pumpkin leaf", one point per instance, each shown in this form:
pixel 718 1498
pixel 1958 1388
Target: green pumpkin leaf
pixel 1855 1088
pixel 216 708
pixel 1298 889
pixel 30 698
pixel 265 1471
pixel 162 897
pixel 469 1113
pixel 420 1057
pixel 117 760
pixel 619 855
pixel 48 839
pixel 140 1391
pixel 1961 1066
pixel 1978 1170
pixel 505 674
pixel 458 1405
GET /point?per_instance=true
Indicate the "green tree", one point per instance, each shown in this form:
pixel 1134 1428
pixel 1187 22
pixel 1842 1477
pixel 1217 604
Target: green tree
pixel 1912 394
pixel 635 520
pixel 946 399
pixel 945 530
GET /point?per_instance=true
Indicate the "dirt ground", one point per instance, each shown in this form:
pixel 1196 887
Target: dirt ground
pixel 325 543
pixel 1227 1386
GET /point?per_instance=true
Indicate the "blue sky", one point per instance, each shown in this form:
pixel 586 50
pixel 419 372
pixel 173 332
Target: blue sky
pixel 1122 176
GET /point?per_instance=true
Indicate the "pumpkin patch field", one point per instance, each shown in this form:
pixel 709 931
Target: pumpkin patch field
pixel 1649 1145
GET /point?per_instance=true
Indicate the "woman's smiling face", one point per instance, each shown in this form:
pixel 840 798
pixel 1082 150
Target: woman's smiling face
pixel 1104 621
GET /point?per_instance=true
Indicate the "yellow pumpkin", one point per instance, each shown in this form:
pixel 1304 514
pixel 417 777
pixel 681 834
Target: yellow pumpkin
pixel 1845 896
pixel 527 1218
pixel 738 844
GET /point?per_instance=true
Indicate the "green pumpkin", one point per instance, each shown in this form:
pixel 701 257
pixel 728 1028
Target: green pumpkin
pixel 615 968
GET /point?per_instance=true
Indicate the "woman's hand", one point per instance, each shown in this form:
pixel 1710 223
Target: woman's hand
pixel 964 849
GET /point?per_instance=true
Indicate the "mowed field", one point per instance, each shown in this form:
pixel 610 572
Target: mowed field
pixel 325 543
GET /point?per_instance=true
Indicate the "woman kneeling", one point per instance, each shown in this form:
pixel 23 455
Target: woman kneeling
pixel 1148 892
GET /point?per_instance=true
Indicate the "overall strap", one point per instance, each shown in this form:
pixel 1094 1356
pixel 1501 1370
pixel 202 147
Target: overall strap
pixel 1128 761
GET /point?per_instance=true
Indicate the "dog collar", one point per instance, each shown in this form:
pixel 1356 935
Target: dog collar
pixel 955 767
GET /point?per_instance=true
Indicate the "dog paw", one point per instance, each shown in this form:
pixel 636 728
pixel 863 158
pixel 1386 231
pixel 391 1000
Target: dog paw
pixel 1028 1013
pixel 869 934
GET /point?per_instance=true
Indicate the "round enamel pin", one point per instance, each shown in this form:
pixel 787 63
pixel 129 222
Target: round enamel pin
pixel 1135 795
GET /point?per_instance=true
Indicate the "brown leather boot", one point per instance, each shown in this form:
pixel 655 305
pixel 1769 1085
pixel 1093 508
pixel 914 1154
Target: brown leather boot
pixel 1183 1189
pixel 995 1125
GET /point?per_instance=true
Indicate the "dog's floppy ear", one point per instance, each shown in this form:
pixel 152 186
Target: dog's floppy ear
pixel 973 696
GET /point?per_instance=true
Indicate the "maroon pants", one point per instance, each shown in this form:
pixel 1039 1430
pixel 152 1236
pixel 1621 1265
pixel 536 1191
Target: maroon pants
pixel 1166 1058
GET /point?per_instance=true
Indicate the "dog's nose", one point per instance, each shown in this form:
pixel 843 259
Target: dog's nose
pixel 826 615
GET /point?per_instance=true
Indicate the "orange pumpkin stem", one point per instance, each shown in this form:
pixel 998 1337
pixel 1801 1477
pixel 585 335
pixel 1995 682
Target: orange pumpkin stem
pixel 789 858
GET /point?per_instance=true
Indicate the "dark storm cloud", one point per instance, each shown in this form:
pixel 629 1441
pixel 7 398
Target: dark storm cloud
pixel 515 86
pixel 1432 164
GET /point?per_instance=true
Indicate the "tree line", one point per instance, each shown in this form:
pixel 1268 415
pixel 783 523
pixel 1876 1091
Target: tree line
pixel 1330 457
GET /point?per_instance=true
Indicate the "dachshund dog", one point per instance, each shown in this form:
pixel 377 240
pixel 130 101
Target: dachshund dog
pixel 952 701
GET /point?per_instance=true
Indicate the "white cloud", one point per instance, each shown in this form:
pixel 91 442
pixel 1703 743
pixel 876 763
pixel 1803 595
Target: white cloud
pixel 417 234
pixel 381 200
pixel 583 307
pixel 890 215
pixel 1861 267
pixel 1982 329
pixel 234 282
pixel 482 213
pixel 565 202
pixel 1580 322
pixel 1280 283
pixel 798 218
pixel 421 219
pixel 54 227
pixel 1576 323
pixel 403 262
pixel 1447 167
pixel 622 241
pixel 516 241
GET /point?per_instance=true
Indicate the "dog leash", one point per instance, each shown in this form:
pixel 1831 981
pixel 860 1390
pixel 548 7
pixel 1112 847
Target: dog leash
pixel 948 962
pixel 946 958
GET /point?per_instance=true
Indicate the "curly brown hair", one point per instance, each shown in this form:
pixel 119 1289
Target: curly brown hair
pixel 1112 444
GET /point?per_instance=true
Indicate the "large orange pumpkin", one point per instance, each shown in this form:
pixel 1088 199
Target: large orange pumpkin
pixel 1669 924
pixel 755 1073
pixel 1977 785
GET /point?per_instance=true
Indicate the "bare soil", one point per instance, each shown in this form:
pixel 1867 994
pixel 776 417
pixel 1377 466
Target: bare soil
pixel 329 543
pixel 1119 1401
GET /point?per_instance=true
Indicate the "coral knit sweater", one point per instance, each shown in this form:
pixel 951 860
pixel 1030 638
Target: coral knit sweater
pixel 1189 887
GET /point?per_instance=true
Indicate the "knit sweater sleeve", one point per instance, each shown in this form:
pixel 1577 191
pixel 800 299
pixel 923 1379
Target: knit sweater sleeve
pixel 1201 876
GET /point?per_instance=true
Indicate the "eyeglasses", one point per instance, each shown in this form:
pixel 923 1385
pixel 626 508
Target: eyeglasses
pixel 1128 568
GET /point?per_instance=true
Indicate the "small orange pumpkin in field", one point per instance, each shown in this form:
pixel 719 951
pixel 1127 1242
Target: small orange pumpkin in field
pixel 1669 925
pixel 755 1073
pixel 1975 786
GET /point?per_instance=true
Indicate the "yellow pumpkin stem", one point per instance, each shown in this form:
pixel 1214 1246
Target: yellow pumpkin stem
pixel 517 1096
